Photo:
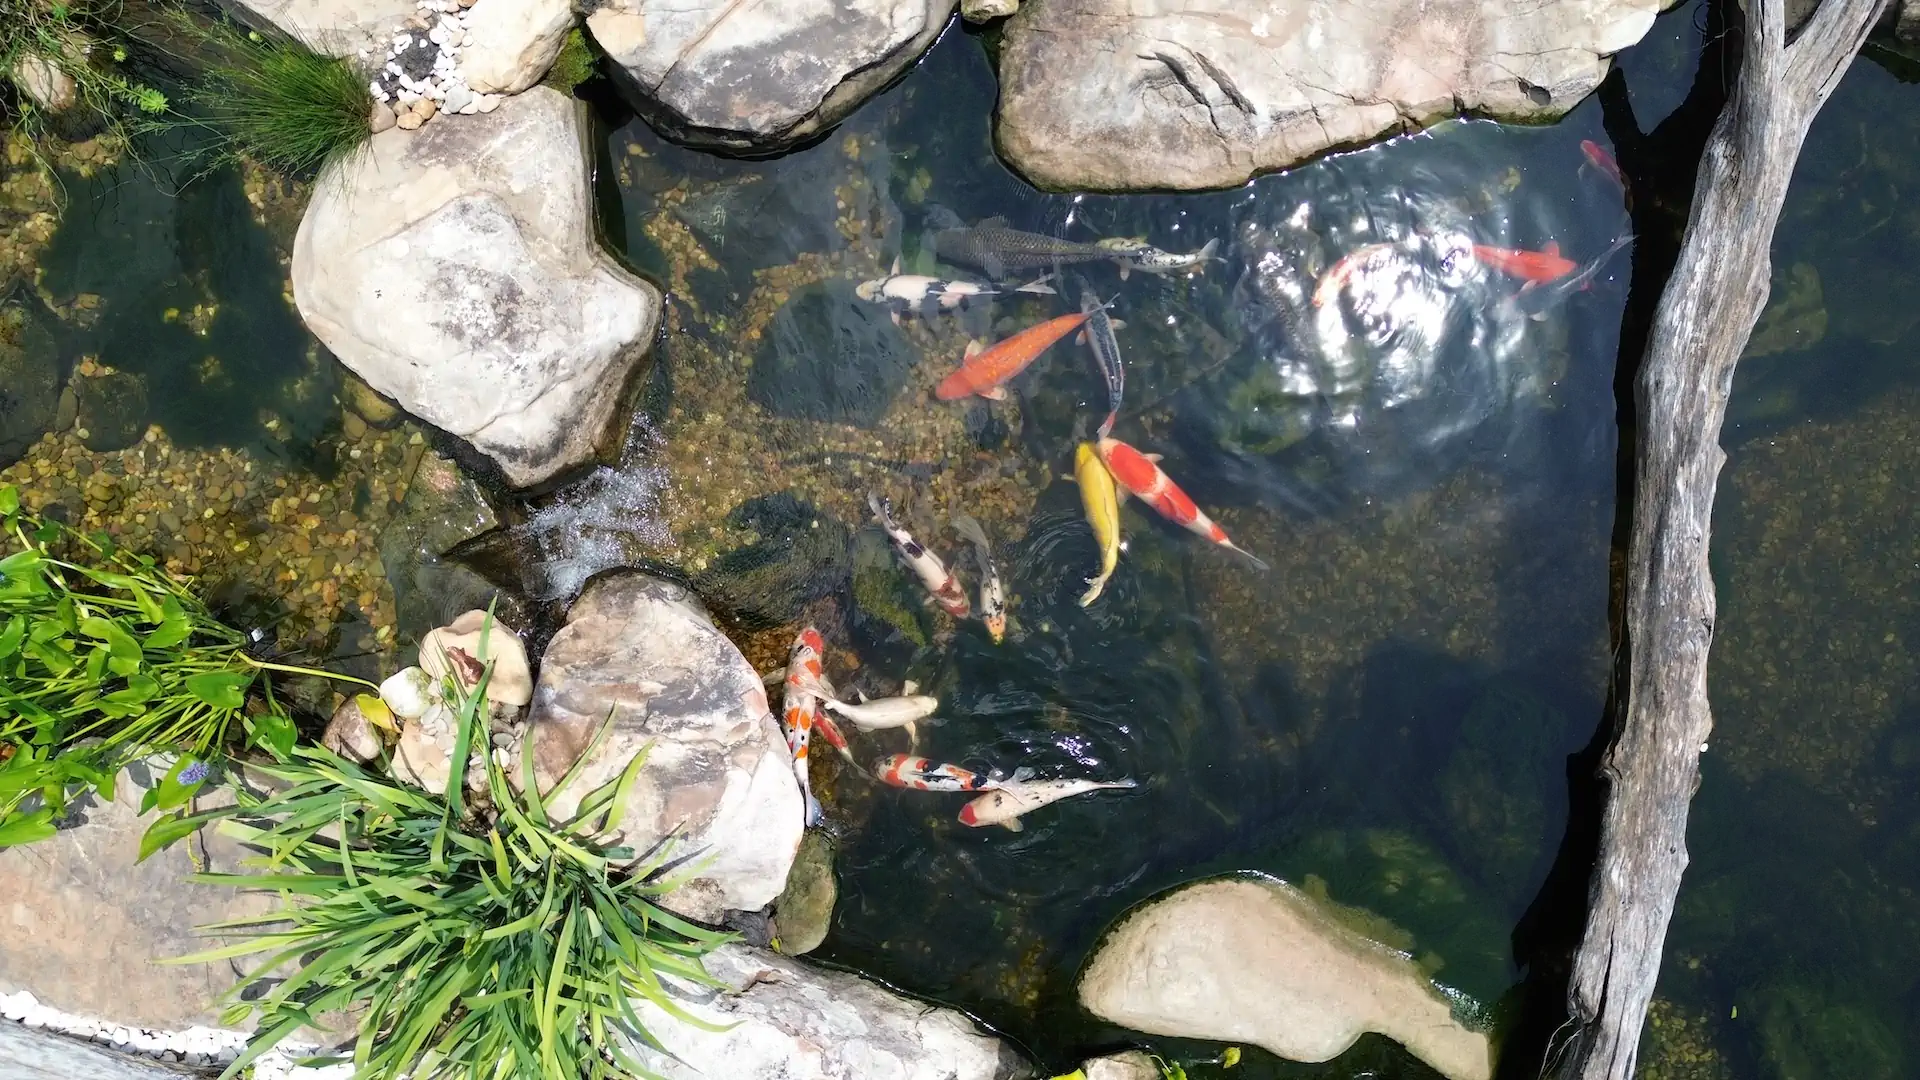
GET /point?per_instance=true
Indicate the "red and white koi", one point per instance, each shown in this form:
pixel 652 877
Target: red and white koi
pixel 1142 477
pixel 927 566
pixel 993 593
pixel 1008 801
pixel 919 774
pixel 804 693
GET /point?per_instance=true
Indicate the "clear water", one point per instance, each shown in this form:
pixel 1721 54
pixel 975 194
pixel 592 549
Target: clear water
pixel 1403 710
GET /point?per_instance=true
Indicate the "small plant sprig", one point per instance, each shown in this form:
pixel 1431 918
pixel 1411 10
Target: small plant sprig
pixel 106 659
pixel 473 941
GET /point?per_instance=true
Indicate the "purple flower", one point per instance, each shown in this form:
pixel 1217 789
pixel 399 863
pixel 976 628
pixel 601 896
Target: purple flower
pixel 194 773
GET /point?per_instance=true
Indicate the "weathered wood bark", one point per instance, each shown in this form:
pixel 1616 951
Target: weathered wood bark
pixel 1709 308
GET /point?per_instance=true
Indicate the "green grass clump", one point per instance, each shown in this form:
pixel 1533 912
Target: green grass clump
pixel 283 104
pixel 106 659
pixel 574 65
pixel 472 940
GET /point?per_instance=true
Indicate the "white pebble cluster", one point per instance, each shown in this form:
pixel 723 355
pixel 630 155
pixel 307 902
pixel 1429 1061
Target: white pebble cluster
pixel 405 83
pixel 195 1046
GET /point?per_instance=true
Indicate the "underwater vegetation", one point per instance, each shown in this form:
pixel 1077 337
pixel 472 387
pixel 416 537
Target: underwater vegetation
pixel 67 53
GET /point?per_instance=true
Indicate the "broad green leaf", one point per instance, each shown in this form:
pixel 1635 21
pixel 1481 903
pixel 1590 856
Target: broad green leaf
pixel 26 828
pixel 273 732
pixel 110 631
pixel 221 689
pixel 11 635
pixel 139 689
pixel 9 500
pixel 163 832
pixel 22 563
pixel 174 628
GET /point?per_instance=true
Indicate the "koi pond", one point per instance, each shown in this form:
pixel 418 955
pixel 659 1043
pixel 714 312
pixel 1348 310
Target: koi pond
pixel 1360 384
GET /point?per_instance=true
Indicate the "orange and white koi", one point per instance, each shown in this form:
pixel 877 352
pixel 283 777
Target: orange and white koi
pixel 1353 262
pixel 919 774
pixel 985 369
pixel 1005 804
pixel 993 593
pixel 804 691
pixel 1144 479
pixel 925 564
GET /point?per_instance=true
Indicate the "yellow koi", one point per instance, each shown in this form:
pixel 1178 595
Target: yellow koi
pixel 1097 495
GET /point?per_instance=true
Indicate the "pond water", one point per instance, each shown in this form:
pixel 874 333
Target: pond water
pixel 1401 712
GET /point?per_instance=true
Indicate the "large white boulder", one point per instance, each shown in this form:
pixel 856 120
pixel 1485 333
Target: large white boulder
pixel 1256 961
pixel 455 270
pixel 1121 94
pixel 512 43
pixel 761 75
pixel 789 1021
pixel 334 27
pixel 717 777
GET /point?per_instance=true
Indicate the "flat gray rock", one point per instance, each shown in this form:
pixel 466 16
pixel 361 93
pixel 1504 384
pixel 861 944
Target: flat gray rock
pixel 790 1021
pixel 455 270
pixel 1116 95
pixel 81 924
pixel 333 27
pixel 760 74
pixel 717 778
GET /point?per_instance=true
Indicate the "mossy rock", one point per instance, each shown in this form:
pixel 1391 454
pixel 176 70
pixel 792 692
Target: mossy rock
pixel 112 410
pixel 804 910
pixel 831 357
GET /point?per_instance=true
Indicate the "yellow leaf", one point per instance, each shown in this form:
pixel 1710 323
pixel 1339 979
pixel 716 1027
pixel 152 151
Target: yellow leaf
pixel 376 712
pixel 1231 1058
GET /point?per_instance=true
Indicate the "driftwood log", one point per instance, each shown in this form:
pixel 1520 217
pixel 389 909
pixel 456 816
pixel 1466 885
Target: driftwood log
pixel 1699 330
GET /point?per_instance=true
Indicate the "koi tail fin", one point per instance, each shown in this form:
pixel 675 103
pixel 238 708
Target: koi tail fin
pixel 1098 585
pixel 970 531
pixel 1257 561
pixel 815 815
pixel 1106 426
pixel 881 511
pixel 1038 286
pixel 1206 255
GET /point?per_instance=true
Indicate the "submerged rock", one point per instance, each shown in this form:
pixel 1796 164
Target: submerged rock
pixel 455 271
pixel 717 780
pixel 804 910
pixel 802 554
pixel 832 357
pixel 760 76
pixel 1207 93
pixel 799 1023
pixel 111 408
pixel 1259 962
pixel 1132 1065
pixel 29 397
pixel 443 508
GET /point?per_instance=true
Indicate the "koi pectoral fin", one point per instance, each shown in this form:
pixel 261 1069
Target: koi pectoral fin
pixel 1014 825
pixel 994 393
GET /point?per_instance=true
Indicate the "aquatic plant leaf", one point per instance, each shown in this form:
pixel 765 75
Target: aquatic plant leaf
pixel 9 500
pixel 27 828
pixel 22 563
pixel 376 711
pixel 11 636
pixel 221 689
pixel 175 627
pixel 163 832
pixel 273 732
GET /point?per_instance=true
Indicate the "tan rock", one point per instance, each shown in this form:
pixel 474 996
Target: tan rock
pixel 979 11
pixel 46 83
pixel 409 121
pixel 351 735
pixel 1260 962
pixel 1132 1065
pixel 380 117
pixel 425 108
pixel 459 642
pixel 512 43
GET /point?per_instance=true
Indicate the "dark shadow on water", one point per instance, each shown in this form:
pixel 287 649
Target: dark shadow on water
pixel 189 295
